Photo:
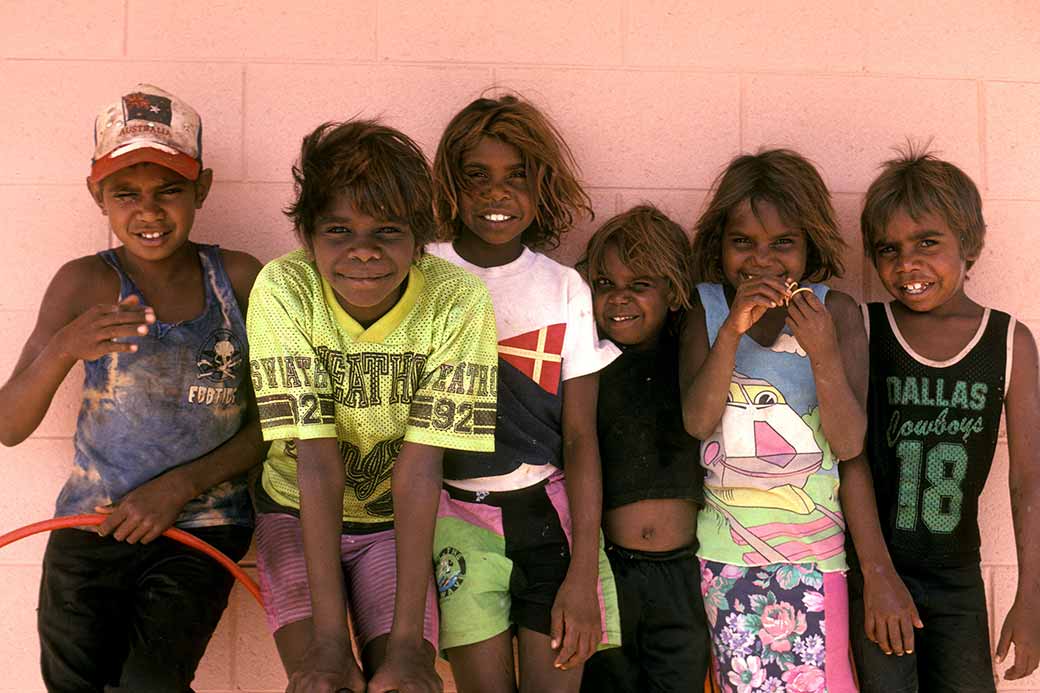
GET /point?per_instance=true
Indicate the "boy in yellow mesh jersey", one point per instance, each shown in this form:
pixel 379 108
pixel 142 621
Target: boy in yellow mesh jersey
pixel 368 358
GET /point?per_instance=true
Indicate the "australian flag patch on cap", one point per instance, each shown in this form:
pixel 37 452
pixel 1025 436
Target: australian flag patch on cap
pixel 150 107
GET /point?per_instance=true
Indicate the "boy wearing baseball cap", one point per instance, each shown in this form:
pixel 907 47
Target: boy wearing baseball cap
pixel 167 428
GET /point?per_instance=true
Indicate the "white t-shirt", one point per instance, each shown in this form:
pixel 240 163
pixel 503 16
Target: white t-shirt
pixel 546 335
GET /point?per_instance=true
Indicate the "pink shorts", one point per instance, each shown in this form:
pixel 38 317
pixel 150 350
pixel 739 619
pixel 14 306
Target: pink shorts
pixel 369 568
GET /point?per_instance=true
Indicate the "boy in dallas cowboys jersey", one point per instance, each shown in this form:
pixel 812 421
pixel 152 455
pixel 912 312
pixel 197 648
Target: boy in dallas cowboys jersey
pixel 942 368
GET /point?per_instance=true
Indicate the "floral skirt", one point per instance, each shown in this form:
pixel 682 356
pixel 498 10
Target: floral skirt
pixel 781 628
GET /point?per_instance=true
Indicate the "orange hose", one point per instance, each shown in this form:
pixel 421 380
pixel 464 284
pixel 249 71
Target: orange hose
pixel 177 535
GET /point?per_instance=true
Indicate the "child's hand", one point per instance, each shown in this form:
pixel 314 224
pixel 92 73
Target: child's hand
pixel 93 333
pixel 889 613
pixel 752 299
pixel 1021 628
pixel 576 630
pixel 811 324
pixel 407 670
pixel 328 666
pixel 146 512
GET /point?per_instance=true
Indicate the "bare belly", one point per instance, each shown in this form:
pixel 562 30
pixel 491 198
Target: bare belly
pixel 652 525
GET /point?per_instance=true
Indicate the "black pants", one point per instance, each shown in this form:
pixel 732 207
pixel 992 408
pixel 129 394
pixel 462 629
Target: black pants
pixel 136 616
pixel 664 631
pixel 952 651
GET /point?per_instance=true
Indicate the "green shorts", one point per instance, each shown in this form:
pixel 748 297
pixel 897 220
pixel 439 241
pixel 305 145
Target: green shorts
pixel 500 561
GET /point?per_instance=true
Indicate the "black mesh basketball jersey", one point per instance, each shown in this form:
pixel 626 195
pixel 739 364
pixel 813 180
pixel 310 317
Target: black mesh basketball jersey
pixel 932 434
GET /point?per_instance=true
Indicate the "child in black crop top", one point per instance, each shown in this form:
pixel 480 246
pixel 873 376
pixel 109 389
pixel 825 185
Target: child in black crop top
pixel 639 267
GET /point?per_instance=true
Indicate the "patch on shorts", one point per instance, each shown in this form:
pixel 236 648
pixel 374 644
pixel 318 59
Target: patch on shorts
pixel 451 571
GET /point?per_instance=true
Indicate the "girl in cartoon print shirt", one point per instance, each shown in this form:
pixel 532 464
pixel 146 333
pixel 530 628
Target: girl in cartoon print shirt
pixel 764 386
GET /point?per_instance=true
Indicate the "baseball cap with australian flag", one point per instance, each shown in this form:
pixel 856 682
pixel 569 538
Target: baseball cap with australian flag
pixel 147 125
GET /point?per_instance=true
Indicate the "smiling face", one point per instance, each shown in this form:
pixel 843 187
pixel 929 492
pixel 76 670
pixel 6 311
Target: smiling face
pixel 920 262
pixel 365 260
pixel 150 208
pixel 495 205
pixel 630 308
pixel 755 245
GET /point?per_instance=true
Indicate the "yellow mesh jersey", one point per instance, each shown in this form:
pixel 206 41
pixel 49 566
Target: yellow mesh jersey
pixel 425 372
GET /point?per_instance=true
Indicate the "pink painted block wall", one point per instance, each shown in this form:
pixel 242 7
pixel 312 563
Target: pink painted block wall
pixel 654 97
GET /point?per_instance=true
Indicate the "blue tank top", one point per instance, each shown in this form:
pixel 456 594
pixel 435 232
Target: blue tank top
pixel 771 482
pixel 179 396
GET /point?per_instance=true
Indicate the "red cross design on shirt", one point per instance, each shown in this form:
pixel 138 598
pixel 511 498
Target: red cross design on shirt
pixel 537 354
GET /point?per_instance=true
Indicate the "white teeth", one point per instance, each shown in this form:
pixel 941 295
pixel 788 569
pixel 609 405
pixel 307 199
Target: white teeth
pixel 496 217
pixel 623 318
pixel 152 236
pixel 915 287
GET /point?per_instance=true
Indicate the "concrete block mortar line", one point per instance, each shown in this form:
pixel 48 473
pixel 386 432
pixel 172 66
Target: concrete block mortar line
pixel 864 44
pixel 741 113
pixel 883 76
pixel 375 30
pixel 237 690
pixel 1001 80
pixel 625 6
pixel 986 199
pixel 443 64
pixel 78 185
pixel 41 184
pixel 983 163
pixel 126 27
pixel 865 278
pixel 575 67
pixel 242 148
pixel 651 189
pixel 676 68
pixel 17 564
pixel 991 603
pixel 232 650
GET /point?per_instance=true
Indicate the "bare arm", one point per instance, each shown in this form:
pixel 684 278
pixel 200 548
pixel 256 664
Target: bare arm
pixel 74 324
pixel 1021 406
pixel 890 615
pixel 416 484
pixel 836 343
pixel 328 659
pixel 576 628
pixel 705 371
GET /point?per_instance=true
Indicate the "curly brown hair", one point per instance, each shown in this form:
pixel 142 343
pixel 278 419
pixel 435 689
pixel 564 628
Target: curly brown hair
pixel 919 183
pixel 552 173
pixel 648 243
pixel 385 173
pixel 789 182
